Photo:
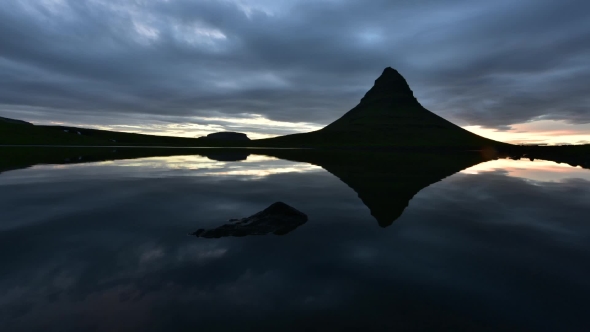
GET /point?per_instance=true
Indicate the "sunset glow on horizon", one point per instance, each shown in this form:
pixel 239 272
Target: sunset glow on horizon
pixel 548 132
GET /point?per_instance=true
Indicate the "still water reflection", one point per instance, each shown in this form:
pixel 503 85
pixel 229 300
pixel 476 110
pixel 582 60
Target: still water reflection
pixel 460 245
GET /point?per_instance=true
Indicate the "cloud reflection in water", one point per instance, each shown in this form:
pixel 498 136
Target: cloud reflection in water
pixel 104 246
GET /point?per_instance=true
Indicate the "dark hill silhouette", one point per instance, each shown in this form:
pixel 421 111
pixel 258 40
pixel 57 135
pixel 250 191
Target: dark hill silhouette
pixel 226 136
pixel 389 116
pixel 17 132
pixel 13 121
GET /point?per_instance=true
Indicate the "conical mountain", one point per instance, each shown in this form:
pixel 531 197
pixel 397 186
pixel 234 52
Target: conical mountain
pixel 389 115
pixel 388 106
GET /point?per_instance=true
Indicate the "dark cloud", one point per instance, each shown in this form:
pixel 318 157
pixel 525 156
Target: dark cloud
pixel 473 62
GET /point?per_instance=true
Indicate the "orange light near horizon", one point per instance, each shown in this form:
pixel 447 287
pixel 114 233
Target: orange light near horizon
pixel 549 132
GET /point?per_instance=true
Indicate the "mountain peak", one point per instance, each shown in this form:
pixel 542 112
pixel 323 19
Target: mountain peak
pixel 389 70
pixel 390 85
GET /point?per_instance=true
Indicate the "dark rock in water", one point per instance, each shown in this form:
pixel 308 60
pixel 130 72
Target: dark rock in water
pixel 227 136
pixel 279 219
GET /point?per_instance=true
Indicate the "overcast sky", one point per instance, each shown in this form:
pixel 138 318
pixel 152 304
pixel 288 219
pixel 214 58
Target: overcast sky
pixel 269 67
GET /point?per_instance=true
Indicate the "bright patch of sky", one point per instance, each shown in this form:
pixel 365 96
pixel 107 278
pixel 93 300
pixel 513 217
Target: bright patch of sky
pixel 549 132
pixel 256 126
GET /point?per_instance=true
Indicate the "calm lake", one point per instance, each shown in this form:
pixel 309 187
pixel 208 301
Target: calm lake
pixel 394 242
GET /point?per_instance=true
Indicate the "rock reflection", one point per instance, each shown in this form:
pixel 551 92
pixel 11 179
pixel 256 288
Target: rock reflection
pixel 228 156
pixel 279 219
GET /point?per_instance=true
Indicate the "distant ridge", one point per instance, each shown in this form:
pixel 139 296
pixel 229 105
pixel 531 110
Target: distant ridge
pixel 227 136
pixel 13 121
pixel 389 116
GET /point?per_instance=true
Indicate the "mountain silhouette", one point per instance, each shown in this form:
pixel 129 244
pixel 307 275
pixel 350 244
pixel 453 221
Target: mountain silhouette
pixel 391 108
pixel 389 116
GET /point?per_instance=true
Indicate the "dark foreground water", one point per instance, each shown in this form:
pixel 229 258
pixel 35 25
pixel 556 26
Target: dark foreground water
pixel 503 245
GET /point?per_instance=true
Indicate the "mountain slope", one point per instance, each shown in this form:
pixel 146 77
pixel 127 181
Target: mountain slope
pixel 389 115
pixel 13 121
pixel 17 132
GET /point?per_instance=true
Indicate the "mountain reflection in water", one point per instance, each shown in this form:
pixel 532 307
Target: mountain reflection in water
pixel 384 181
pixel 103 246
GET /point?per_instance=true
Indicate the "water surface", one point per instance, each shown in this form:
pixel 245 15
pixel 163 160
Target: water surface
pixel 403 244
